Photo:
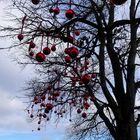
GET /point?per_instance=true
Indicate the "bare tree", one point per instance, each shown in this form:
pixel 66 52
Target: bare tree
pixel 87 57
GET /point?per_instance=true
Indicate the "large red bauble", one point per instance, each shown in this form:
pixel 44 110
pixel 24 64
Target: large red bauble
pixel 56 11
pixel 70 14
pixel 20 37
pixel 84 115
pixel 53 48
pixel 40 57
pixel 46 50
pixel 118 2
pixel 67 59
pixel 85 79
pixel 35 2
pixel 74 52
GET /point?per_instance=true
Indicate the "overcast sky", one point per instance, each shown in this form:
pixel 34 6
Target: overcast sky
pixel 13 119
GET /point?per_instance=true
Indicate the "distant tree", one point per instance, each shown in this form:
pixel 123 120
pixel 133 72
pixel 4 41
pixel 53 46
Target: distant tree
pixel 86 53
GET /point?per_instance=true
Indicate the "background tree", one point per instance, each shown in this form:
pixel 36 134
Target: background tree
pixel 87 57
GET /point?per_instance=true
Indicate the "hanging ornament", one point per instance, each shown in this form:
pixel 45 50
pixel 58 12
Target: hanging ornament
pixel 70 14
pixel 31 53
pixel 20 37
pixel 56 11
pixel 77 33
pixel 40 57
pixel 74 52
pixel 53 48
pixel 85 79
pixel 35 2
pixel 84 115
pixel 67 59
pixel 118 2
pixel 31 44
pixel 46 50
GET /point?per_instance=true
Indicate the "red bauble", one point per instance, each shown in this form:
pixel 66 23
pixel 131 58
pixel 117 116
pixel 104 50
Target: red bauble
pixel 56 11
pixel 78 111
pixel 40 57
pixel 93 75
pixel 67 50
pixel 53 48
pixel 67 59
pixel 118 2
pixel 70 14
pixel 46 50
pixel 31 54
pixel 85 79
pixel 35 2
pixel 74 52
pixel 49 106
pixel 20 37
pixel 31 44
pixel 77 33
pixel 43 97
pixel 84 115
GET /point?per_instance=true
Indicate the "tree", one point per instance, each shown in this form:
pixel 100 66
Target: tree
pixel 87 58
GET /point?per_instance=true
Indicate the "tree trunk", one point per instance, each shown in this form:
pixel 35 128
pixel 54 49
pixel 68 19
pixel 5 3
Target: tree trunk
pixel 127 130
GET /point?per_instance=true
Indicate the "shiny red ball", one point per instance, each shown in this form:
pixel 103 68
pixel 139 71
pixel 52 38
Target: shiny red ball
pixel 31 44
pixel 118 2
pixel 35 2
pixel 56 11
pixel 31 54
pixel 67 59
pixel 20 37
pixel 74 52
pixel 70 14
pixel 84 115
pixel 53 48
pixel 85 79
pixel 46 50
pixel 78 111
pixel 77 33
pixel 49 106
pixel 40 57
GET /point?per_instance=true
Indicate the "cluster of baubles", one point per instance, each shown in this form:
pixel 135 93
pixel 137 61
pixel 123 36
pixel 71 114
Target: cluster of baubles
pixel 48 106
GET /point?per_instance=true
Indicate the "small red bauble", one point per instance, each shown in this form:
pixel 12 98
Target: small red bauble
pixel 43 97
pixel 85 79
pixel 53 48
pixel 35 2
pixel 118 2
pixel 56 11
pixel 40 57
pixel 77 33
pixel 69 14
pixel 20 37
pixel 49 106
pixel 93 75
pixel 31 44
pixel 46 51
pixel 84 115
pixel 31 54
pixel 78 111
pixel 67 59
pixel 74 52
